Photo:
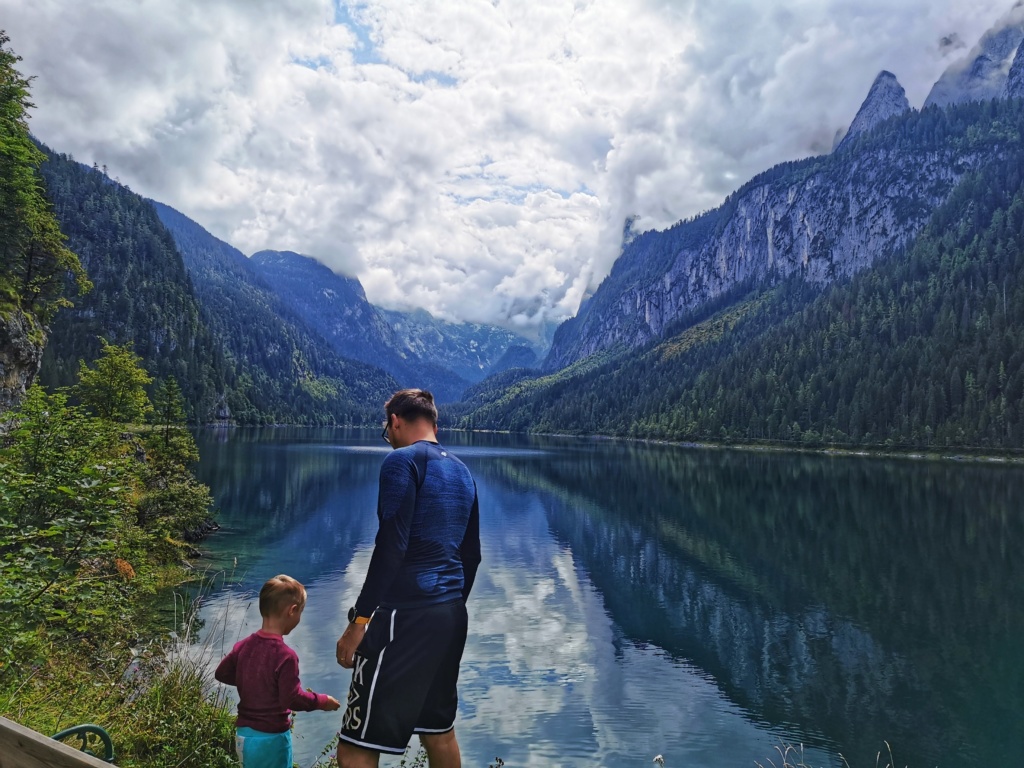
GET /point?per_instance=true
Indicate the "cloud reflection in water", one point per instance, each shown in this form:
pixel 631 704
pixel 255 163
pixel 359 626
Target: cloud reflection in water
pixel 550 676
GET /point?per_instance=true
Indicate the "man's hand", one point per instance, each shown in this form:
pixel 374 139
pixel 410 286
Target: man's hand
pixel 332 704
pixel 348 643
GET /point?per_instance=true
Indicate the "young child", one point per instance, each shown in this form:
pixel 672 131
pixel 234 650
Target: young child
pixel 266 673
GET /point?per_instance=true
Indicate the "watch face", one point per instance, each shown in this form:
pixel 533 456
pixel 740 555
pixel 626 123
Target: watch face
pixel 351 614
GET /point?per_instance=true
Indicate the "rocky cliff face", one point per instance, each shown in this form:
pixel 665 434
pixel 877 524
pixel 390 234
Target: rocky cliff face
pixel 886 99
pixel 1014 88
pixel 823 218
pixel 21 353
pixel 982 74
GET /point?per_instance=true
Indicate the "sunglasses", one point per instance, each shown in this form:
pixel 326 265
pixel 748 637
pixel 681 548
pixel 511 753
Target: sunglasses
pixel 384 434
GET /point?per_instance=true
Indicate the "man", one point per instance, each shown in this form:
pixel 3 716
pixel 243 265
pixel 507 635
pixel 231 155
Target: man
pixel 405 663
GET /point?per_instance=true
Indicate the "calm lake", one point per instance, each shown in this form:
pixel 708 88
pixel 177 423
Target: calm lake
pixel 634 600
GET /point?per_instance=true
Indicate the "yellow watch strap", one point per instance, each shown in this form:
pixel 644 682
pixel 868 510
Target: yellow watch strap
pixel 362 620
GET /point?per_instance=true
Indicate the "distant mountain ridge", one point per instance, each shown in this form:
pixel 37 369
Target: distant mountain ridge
pixel 924 349
pixel 416 348
pixel 472 350
pixel 824 218
pixel 853 297
pixel 286 371
pixel 333 304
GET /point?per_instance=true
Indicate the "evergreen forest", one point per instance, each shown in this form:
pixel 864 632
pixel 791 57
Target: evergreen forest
pixel 926 349
pixel 238 353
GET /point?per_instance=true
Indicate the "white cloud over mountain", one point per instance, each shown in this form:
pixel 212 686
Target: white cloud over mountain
pixel 475 158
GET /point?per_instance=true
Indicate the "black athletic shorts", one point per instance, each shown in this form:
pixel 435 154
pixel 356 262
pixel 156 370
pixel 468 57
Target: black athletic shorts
pixel 405 676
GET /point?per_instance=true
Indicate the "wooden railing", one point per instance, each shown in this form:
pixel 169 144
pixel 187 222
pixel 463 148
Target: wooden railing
pixel 21 747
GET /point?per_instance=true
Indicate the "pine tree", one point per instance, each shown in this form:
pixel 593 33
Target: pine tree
pixel 34 259
pixel 168 408
pixel 115 388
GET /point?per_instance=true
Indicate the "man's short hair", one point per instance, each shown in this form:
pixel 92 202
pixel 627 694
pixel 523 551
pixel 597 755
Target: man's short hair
pixel 411 404
pixel 279 593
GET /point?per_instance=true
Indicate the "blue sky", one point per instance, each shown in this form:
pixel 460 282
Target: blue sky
pixel 476 158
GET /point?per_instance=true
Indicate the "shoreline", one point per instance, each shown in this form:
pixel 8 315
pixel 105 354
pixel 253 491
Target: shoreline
pixel 963 454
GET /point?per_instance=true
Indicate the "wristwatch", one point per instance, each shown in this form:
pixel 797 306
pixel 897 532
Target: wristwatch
pixel 354 618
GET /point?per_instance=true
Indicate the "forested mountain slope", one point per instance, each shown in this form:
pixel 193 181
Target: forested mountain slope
pixel 220 337
pixel 333 304
pixel 924 349
pixel 822 219
pixel 141 291
pixel 416 348
pixel 282 370
pixel 337 308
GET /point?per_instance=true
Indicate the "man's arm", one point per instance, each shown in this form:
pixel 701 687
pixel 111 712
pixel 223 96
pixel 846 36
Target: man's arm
pixel 470 548
pixel 396 505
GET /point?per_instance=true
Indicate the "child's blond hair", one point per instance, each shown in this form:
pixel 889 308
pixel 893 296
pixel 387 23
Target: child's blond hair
pixel 279 593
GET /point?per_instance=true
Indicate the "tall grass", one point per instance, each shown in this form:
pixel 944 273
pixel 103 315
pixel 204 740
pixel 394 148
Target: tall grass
pixel 156 699
pixel 790 756
pixel 181 716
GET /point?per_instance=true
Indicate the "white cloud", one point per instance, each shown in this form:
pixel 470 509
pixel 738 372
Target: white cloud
pixel 475 158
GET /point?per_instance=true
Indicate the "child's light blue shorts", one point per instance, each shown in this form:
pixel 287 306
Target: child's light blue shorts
pixel 257 749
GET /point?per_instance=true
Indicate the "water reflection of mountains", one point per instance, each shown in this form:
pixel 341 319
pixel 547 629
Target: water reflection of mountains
pixel 872 599
pixel 856 600
pixel 289 490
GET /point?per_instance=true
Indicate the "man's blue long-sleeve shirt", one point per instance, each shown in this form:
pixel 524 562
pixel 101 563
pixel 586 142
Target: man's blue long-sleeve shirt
pixel 428 545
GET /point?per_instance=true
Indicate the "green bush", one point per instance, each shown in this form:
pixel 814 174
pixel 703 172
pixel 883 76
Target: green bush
pixel 92 517
pixel 66 491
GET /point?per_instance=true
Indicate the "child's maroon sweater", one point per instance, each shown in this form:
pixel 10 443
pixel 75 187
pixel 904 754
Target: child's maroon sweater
pixel 266 673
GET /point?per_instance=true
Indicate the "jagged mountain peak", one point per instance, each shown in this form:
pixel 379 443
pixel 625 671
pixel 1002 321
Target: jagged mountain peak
pixel 982 73
pixel 822 218
pixel 885 99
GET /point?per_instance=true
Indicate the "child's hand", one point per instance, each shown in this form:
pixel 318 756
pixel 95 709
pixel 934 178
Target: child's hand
pixel 332 704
